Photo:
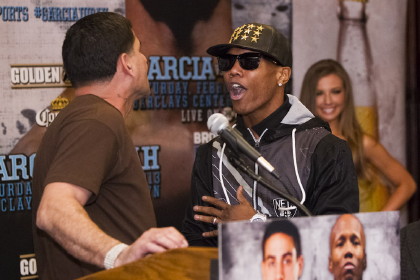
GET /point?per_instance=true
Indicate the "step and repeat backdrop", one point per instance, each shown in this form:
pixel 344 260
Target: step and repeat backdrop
pixel 168 126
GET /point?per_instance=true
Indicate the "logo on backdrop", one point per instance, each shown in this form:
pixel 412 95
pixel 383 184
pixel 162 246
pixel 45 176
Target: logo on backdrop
pixel 37 76
pixel 47 14
pixel 16 173
pixel 149 155
pixel 45 117
pixel 28 268
pixel 16 186
pixel 185 83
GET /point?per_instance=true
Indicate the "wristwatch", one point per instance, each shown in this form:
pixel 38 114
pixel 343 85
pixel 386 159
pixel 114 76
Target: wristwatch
pixel 258 217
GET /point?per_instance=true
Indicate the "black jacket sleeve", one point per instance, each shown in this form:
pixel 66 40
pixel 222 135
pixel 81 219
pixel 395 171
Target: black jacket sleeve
pixel 332 183
pixel 201 184
pixel 410 248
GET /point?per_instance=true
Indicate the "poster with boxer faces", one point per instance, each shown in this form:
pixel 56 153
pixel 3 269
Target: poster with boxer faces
pixel 186 88
pixel 348 246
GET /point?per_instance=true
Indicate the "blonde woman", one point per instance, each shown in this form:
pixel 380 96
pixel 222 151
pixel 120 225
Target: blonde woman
pixel 327 92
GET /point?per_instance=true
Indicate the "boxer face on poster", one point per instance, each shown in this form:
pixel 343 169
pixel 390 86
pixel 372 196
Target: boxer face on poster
pixel 280 258
pixel 347 249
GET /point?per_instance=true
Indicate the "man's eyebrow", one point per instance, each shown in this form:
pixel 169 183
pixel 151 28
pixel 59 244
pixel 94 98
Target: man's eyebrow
pixel 269 257
pixel 274 256
pixel 340 238
pixel 287 254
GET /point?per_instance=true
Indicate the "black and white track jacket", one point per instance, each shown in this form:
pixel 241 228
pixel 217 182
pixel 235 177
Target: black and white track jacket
pixel 315 167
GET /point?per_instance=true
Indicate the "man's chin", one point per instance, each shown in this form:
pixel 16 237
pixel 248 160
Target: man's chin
pixel 349 275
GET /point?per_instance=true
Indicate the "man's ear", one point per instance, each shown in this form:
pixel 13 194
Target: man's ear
pixel 364 261
pixel 284 74
pixel 330 266
pixel 301 264
pixel 124 64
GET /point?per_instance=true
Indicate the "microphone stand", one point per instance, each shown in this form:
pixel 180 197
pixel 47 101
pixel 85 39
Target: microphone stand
pixel 239 163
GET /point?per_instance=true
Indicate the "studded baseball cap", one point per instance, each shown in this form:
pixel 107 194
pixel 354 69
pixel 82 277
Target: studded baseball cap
pixel 260 38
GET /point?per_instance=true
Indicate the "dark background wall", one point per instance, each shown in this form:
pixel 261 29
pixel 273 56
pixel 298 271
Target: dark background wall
pixel 413 102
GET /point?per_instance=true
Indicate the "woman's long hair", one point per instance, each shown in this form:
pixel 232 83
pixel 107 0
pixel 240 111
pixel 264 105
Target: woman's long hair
pixel 348 125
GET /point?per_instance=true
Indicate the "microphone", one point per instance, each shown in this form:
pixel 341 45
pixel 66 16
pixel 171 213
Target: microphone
pixel 219 124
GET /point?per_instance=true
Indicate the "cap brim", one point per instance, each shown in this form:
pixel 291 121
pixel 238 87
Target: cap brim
pixel 219 50
pixel 222 49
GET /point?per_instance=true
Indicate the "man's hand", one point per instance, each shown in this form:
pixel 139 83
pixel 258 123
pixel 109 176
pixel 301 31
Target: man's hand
pixel 155 240
pixel 223 212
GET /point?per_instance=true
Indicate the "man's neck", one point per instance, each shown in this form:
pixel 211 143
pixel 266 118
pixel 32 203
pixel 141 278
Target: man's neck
pixel 270 120
pixel 262 113
pixel 107 92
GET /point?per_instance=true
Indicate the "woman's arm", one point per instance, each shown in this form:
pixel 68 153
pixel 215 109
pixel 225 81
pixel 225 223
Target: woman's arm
pixel 403 182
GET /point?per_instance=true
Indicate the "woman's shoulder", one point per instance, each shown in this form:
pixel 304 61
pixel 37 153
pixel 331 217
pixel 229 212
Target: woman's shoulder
pixel 369 142
pixel 373 148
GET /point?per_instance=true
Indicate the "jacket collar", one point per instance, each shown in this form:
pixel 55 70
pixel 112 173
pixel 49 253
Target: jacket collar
pixel 291 114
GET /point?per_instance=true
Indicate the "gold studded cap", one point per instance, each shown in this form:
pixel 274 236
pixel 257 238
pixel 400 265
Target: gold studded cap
pixel 257 37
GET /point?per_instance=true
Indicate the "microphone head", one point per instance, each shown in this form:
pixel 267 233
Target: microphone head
pixel 217 122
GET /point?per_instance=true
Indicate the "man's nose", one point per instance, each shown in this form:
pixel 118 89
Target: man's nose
pixel 279 272
pixel 236 68
pixel 348 249
pixel 348 255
